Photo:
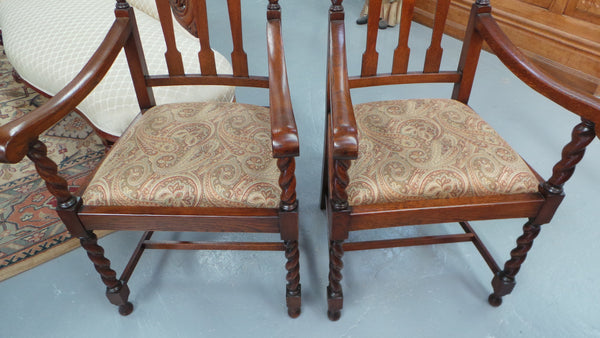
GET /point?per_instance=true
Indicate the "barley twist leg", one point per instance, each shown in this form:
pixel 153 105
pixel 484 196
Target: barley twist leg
pixel 504 281
pixel 116 291
pixel 293 288
pixel 335 296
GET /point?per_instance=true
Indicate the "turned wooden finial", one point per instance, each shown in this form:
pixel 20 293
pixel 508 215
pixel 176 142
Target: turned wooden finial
pixel 336 6
pixel 122 4
pixel 482 2
pixel 274 5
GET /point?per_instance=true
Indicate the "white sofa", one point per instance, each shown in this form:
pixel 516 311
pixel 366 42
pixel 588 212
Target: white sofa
pixel 49 41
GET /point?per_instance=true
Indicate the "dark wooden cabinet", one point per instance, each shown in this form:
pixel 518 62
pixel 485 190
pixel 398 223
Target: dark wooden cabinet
pixel 561 36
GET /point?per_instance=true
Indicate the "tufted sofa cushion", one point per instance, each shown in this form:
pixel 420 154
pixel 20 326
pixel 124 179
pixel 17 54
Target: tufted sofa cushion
pixel 211 154
pixel 427 149
pixel 49 41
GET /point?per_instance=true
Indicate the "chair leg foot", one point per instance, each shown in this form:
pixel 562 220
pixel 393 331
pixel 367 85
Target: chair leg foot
pixel 503 285
pixel 119 296
pixel 334 315
pixel 495 300
pixel 293 301
pixel 335 303
pixel 125 309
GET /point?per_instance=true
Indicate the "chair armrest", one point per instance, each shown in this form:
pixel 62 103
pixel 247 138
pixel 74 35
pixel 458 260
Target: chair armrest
pixel 582 104
pixel 344 132
pixel 17 135
pixel 283 125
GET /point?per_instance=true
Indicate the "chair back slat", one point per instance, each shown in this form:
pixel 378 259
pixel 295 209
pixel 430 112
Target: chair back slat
pixel 370 56
pixel 433 57
pixel 193 15
pixel 402 52
pixel 206 55
pixel 238 56
pixel 172 55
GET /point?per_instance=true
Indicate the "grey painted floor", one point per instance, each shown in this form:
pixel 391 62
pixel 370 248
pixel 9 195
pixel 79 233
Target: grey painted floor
pixel 431 291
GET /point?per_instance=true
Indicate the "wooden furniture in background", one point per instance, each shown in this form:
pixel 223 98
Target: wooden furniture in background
pixel 427 161
pixel 560 36
pixel 204 167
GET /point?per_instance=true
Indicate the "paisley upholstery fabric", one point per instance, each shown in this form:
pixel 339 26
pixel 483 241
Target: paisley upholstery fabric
pixel 428 149
pixel 211 154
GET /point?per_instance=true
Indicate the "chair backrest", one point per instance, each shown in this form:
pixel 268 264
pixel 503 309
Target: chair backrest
pixel 193 16
pixel 374 74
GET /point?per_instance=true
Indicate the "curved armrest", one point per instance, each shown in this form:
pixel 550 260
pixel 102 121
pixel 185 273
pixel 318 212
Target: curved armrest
pixel 283 125
pixel 16 135
pixel 584 105
pixel 344 132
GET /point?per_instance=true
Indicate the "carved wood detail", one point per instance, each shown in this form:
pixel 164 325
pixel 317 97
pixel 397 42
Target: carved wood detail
pixel 184 14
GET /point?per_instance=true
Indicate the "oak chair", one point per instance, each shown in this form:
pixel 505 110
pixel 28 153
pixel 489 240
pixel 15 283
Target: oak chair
pixel 425 161
pixel 204 167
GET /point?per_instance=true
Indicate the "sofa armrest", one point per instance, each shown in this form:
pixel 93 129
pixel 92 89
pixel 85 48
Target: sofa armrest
pixel 17 135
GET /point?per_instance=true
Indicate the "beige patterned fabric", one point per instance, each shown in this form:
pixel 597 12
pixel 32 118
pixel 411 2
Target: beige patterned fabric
pixel 49 41
pixel 146 6
pixel 428 149
pixel 194 155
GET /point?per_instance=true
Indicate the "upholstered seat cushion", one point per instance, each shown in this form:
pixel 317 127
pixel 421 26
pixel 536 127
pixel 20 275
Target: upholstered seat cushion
pixel 49 41
pixel 428 149
pixel 210 154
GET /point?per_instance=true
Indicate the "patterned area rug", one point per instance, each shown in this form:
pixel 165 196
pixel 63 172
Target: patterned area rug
pixel 30 231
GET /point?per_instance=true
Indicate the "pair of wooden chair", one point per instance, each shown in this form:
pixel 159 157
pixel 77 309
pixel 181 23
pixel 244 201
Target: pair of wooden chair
pixel 229 167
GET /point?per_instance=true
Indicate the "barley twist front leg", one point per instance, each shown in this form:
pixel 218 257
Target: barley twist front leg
pixel 116 291
pixel 293 288
pixel 335 296
pixel 504 281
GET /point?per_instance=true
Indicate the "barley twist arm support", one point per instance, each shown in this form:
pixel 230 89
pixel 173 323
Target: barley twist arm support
pixel 48 170
pixel 572 153
pixel 287 182
pixel 340 182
